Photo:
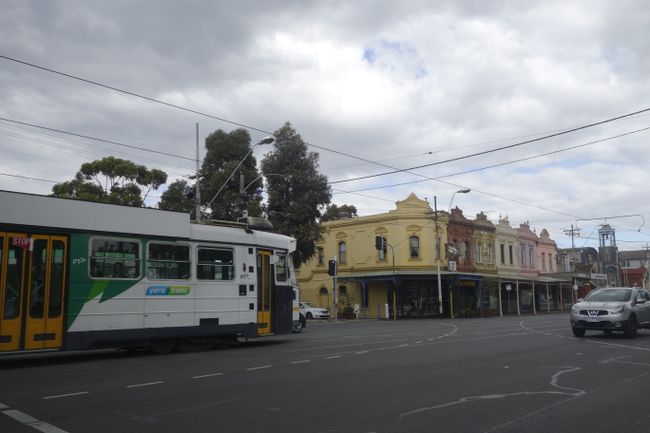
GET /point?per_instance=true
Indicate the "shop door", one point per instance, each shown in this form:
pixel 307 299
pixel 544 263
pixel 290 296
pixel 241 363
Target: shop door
pixel 264 292
pixel 32 278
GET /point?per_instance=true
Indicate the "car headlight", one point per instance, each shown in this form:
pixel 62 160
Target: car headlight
pixel 574 309
pixel 617 310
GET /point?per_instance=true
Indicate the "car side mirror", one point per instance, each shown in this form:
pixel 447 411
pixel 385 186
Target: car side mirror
pixel 639 300
pixel 580 299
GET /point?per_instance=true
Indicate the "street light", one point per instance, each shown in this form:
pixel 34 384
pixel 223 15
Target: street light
pixel 267 140
pixel 460 191
pixel 242 189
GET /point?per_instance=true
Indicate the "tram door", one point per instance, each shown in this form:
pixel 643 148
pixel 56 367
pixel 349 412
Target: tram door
pixel 264 292
pixel 32 278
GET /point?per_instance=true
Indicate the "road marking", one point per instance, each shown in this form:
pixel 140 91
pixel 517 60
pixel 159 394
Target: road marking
pixel 32 422
pixel 645 349
pixel 301 362
pixel 261 367
pixel 361 352
pixel 635 377
pixel 3 406
pixel 334 357
pixel 418 342
pixel 65 395
pixel 138 385
pixel 206 375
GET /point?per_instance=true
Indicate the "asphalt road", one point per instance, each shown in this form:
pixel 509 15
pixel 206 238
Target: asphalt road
pixel 516 374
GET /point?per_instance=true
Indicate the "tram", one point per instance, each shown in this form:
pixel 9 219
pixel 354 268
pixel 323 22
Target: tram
pixel 81 275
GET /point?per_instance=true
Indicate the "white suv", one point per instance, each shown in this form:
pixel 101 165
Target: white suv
pixel 313 312
pixel 612 309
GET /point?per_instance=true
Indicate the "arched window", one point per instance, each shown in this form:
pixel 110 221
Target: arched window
pixel 414 243
pixel 343 249
pixel 323 291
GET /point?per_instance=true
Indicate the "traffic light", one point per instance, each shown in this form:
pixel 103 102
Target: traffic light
pixel 331 268
pixel 379 243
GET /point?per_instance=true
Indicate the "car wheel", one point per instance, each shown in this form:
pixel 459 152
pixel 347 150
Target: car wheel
pixel 310 316
pixel 578 332
pixel 297 327
pixel 630 329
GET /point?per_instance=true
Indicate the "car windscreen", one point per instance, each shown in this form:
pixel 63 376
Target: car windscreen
pixel 609 295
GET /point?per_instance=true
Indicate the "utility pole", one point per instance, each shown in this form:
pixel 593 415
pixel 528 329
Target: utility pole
pixel 435 213
pixel 647 262
pixel 573 232
pixel 197 190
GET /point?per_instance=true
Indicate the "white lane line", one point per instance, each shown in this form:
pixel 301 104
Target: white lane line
pixel 138 385
pixel 73 394
pixel 635 377
pixel 301 362
pixel 20 416
pixel 261 367
pixel 361 352
pixel 206 375
pixel 334 357
pixel 32 422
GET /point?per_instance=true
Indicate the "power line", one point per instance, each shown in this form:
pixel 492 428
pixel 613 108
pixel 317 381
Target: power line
pixel 29 177
pixel 179 107
pixel 510 146
pixel 252 128
pixel 31 137
pixel 88 137
pixel 513 161
pixel 332 150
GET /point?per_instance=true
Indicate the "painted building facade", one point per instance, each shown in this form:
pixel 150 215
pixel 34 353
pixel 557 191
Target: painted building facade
pixel 479 270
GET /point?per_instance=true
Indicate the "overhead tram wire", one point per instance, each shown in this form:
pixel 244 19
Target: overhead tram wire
pixel 31 136
pixel 72 148
pixel 88 137
pixel 439 178
pixel 252 128
pixel 179 107
pixel 510 162
pixel 456 148
pixel 19 176
pixel 510 146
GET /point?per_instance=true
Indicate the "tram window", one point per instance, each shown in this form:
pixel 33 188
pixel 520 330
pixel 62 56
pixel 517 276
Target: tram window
pixel 114 258
pixel 37 279
pixel 168 261
pixel 215 264
pixel 15 256
pixel 281 269
pixel 56 279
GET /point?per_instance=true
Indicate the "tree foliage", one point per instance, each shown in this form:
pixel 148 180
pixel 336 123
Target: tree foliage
pixel 224 151
pixel 334 212
pixel 111 180
pixel 294 202
pixel 179 197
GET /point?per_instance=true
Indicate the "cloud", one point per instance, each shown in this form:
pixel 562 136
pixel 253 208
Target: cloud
pixel 402 84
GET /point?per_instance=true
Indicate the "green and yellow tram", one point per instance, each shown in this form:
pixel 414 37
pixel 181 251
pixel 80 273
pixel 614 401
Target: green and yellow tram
pixel 80 275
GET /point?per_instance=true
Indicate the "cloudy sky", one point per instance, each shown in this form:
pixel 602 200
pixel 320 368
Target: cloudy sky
pixel 404 92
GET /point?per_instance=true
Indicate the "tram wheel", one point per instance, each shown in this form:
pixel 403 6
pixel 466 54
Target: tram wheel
pixel 162 347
